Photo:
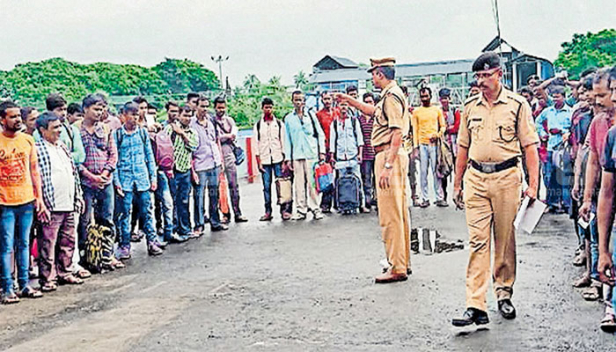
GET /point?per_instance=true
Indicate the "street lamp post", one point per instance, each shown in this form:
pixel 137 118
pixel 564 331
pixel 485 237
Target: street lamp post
pixel 219 60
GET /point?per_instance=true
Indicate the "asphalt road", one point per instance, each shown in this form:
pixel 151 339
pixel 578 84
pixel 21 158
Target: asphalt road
pixel 309 287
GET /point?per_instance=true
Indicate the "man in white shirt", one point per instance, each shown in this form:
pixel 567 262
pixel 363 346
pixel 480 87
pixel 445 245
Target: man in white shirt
pixel 62 196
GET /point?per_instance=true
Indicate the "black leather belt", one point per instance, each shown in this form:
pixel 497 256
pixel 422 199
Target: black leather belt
pixel 490 168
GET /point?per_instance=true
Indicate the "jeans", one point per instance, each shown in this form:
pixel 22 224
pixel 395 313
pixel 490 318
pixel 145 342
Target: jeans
pixel 15 236
pixel 594 248
pixel 427 158
pixel 181 183
pixel 101 203
pixel 164 205
pixel 367 179
pixel 557 189
pixel 145 212
pixel 270 171
pixel 209 179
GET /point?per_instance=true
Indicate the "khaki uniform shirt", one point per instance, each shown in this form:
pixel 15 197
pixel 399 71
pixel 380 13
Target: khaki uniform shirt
pixel 495 134
pixel 390 113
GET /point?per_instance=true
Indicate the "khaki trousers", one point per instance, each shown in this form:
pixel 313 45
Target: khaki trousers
pixel 306 196
pixel 394 212
pixel 491 201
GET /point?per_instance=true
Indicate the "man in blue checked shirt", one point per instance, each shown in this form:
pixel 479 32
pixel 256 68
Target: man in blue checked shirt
pixel 135 176
pixel 558 118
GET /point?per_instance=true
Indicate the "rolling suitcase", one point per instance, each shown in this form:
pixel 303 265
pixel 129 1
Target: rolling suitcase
pixel 348 192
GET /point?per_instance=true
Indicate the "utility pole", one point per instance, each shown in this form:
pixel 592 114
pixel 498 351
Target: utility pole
pixel 219 60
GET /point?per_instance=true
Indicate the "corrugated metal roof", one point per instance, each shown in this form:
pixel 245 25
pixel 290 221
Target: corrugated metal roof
pixel 344 61
pixel 402 70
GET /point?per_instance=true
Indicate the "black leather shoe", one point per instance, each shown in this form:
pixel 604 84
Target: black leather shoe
pixel 471 316
pixel 506 309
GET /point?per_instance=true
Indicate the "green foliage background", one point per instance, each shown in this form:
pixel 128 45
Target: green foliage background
pixel 29 84
pixel 588 50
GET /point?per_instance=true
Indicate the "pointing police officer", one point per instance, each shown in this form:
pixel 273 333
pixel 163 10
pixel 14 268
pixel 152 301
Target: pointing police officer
pixel 391 123
pixel 495 130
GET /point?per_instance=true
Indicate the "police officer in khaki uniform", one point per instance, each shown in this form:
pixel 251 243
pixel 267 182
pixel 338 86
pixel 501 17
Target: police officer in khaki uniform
pixel 495 130
pixel 391 123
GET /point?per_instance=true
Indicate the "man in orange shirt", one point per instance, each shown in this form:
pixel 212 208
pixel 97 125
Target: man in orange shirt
pixel 20 195
pixel 428 126
pixel 325 117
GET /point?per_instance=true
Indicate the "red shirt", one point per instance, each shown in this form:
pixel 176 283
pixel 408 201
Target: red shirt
pixel 325 118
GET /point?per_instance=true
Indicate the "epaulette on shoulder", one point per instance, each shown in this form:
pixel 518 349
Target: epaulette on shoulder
pixel 471 99
pixel 517 97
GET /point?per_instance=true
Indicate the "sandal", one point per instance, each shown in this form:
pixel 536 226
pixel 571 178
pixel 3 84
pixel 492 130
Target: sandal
pixel 82 273
pixel 10 298
pixel 583 281
pixel 49 287
pixel 608 323
pixel 116 264
pixel 592 293
pixel 30 292
pixel 580 259
pixel 70 280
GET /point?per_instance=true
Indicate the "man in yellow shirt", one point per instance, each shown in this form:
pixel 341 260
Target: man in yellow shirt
pixel 428 126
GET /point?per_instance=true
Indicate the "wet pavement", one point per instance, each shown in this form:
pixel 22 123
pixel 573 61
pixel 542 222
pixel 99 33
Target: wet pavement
pixel 309 287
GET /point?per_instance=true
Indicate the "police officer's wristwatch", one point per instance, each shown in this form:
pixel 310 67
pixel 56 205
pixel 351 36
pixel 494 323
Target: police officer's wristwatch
pixel 389 166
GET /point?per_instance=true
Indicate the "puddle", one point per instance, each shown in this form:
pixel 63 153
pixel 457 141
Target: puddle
pixel 430 241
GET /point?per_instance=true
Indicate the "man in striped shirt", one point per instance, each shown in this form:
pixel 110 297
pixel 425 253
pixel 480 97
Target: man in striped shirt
pixel 185 141
pixel 367 161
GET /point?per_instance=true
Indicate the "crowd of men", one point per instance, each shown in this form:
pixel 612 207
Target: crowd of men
pixel 77 166
pixel 574 120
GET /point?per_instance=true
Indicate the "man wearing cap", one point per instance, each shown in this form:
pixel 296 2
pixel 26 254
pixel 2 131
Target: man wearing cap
pixel 495 130
pixel 391 122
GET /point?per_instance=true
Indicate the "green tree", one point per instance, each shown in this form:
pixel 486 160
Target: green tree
pixel 31 82
pixel 588 50
pixel 300 80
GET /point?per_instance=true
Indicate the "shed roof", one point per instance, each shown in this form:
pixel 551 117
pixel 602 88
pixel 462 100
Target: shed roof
pixel 402 70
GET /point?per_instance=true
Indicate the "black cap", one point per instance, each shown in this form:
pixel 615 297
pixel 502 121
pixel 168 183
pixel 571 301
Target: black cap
pixel 444 92
pixel 487 61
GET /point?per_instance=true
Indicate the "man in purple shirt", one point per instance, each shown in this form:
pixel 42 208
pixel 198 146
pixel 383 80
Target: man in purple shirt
pixel 207 161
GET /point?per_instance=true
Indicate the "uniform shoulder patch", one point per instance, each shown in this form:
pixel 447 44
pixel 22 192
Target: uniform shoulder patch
pixel 518 98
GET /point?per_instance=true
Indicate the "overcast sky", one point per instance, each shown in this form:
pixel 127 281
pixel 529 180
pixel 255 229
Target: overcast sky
pixel 281 37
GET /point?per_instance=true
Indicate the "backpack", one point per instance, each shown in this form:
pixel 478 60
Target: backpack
pixel 444 163
pixel 163 151
pixel 98 247
pixel 120 136
pixel 259 129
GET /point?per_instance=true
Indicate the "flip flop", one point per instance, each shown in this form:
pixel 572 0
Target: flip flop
pixel 10 298
pixel 49 287
pixel 583 281
pixel 592 293
pixel 608 323
pixel 29 292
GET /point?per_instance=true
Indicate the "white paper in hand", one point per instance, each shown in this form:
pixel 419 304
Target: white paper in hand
pixel 529 215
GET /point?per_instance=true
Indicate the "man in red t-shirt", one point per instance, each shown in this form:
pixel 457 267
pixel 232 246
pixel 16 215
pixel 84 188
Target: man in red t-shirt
pixel 325 117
